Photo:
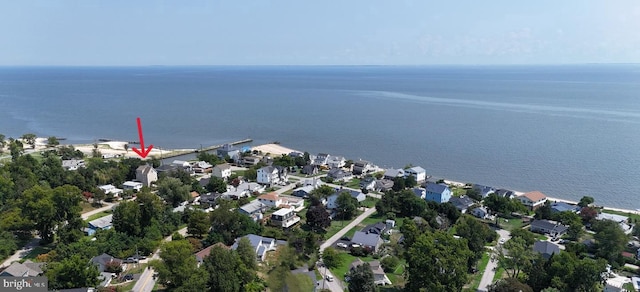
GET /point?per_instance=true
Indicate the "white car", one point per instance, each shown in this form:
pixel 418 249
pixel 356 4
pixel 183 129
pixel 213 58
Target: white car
pixel 342 245
pixel 502 241
pixel 329 278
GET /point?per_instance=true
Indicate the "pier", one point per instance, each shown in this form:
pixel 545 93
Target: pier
pixel 204 149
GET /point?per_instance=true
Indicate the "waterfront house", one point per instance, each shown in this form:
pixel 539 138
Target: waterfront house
pixel 227 150
pixel 505 193
pixel 132 185
pixel 417 172
pixel 26 269
pixel 272 199
pixel 261 245
pixel 552 228
pixel 533 200
pixel 391 173
pixel 146 174
pixel 309 170
pixel 336 162
pixel 558 207
pixel 250 160
pixel 484 191
pixel 546 248
pixel 284 218
pixel 379 276
pixel 222 171
pixel 321 159
pixel 462 203
pixel 362 167
pixel 621 220
pixel 202 167
pixel 439 193
pixel 272 175
pixel 367 240
pixel 383 185
pixel 337 174
pixel 167 168
pixel 182 164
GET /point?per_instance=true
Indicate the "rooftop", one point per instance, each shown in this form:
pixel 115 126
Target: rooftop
pixel 534 196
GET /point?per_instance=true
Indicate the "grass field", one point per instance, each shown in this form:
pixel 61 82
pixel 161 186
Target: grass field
pixel 511 224
pixel 299 282
pixel 35 252
pixel 98 215
pixel 482 264
pixel 632 217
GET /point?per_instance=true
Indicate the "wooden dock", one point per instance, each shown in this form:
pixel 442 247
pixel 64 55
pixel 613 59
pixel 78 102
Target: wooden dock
pixel 205 149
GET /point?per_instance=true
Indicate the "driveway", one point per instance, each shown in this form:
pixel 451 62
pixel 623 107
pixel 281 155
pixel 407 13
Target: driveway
pixel 334 286
pixel 346 229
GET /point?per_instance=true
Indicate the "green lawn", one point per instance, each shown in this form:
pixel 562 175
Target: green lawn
pixel 98 215
pixel 345 261
pixel 354 183
pixel 299 282
pixel 35 252
pixel 498 275
pixel 511 224
pixel 632 217
pixel 477 277
pixel 628 287
pixel 369 202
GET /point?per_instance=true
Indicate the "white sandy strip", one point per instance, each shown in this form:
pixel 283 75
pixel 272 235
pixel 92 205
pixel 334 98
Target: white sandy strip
pixel 455 183
pixel 273 149
pixel 117 147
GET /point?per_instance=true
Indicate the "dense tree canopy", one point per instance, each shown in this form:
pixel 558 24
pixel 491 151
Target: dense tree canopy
pixel 318 218
pixel 361 279
pixel 346 206
pixel 173 191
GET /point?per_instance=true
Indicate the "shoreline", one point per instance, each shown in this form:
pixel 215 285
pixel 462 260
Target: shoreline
pixel 118 148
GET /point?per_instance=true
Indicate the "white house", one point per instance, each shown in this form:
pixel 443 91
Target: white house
pixel 271 175
pixel 332 200
pixel 110 189
pixel 393 173
pixel 272 200
pixel 336 162
pixel 202 167
pixel 284 218
pixel 222 171
pixel 533 200
pixel 417 172
pixel 132 185
pixel 261 245
pixel 321 159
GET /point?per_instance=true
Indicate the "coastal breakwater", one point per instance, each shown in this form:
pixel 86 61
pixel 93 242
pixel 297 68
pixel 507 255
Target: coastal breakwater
pixel 181 152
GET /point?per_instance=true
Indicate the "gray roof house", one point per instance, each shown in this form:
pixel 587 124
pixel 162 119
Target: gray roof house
pixel 383 185
pixel 368 183
pixel 320 159
pixel 419 173
pixel 146 174
pixel 562 207
pixel 254 209
pixel 102 223
pixel 303 192
pixel 102 260
pixel 480 212
pixel 26 269
pixel 362 167
pixel 484 190
pixel 261 245
pixel 379 276
pixel 339 174
pixel 309 169
pixel 227 149
pixel 462 203
pixel 546 248
pixel 377 228
pixel 368 240
pixel 393 173
pixel 552 228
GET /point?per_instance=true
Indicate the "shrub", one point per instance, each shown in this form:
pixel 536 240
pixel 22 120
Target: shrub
pixel 390 263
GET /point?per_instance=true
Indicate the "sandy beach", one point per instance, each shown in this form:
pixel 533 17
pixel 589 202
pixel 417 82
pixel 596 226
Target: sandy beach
pixel 273 149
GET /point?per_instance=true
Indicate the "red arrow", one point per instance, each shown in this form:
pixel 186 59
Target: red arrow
pixel 143 152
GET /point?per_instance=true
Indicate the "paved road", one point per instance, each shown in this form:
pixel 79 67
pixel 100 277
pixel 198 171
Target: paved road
pixel 346 229
pixel 106 207
pixel 334 286
pixel 146 281
pixel 489 271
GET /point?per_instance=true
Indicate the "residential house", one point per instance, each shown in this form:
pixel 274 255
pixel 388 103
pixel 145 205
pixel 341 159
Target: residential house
pixel 332 199
pixel 621 220
pixel 207 251
pixel 558 207
pixel 209 199
pixel 420 192
pixel 254 209
pixel 391 173
pixel 462 203
pixel 362 167
pixel 546 248
pixel 202 167
pixel 228 150
pixel 250 160
pixel 439 193
pixel 367 240
pixel 292 201
pixel 480 212
pixel 484 191
pixel 272 175
pixel 383 185
pixel 166 168
pixel 505 193
pixel 368 183
pixel 272 200
pixel 417 172
pixel 182 164
pixel 379 276
pixel 309 170
pixel 552 228
pixel 261 245
pixel 390 223
pixel 321 159
pixel 303 192
pixel 26 269
pixel 245 189
pixel 533 200
pixel 132 185
pixel 146 175
pixel 284 218
pixel 377 228
pixel 102 223
pixel 336 162
pixel 103 260
pixel 296 154
pixel 111 189
pixel 72 164
pixel 315 182
pixel 337 174
pixel 222 171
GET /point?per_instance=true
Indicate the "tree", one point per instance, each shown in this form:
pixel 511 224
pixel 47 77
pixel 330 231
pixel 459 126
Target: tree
pixel 247 253
pixel 588 214
pixel 610 239
pixel 398 184
pixel 519 256
pixel 177 265
pixel 30 139
pixel 330 257
pixel 127 217
pixel 322 192
pixel 173 191
pixel 39 208
pixel 572 220
pixel 52 141
pixel 251 174
pixel 410 181
pixel 346 206
pixel 389 263
pixel 227 225
pixel 361 278
pixel 544 212
pixel 509 285
pixel 586 201
pixel 318 218
pixel 526 235
pixel 2 142
pixel 217 185
pixel 72 272
pixel 226 271
pixel 198 224
pixel 437 262
pixel 15 148
pixel 477 235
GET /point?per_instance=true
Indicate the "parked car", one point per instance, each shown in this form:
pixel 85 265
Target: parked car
pixel 342 245
pixel 127 277
pixel 329 278
pixel 355 245
pixel 502 241
pixel 131 260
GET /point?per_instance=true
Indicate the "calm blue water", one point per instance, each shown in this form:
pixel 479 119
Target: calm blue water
pixel 568 131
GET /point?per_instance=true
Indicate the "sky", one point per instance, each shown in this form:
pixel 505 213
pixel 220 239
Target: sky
pixel 330 32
